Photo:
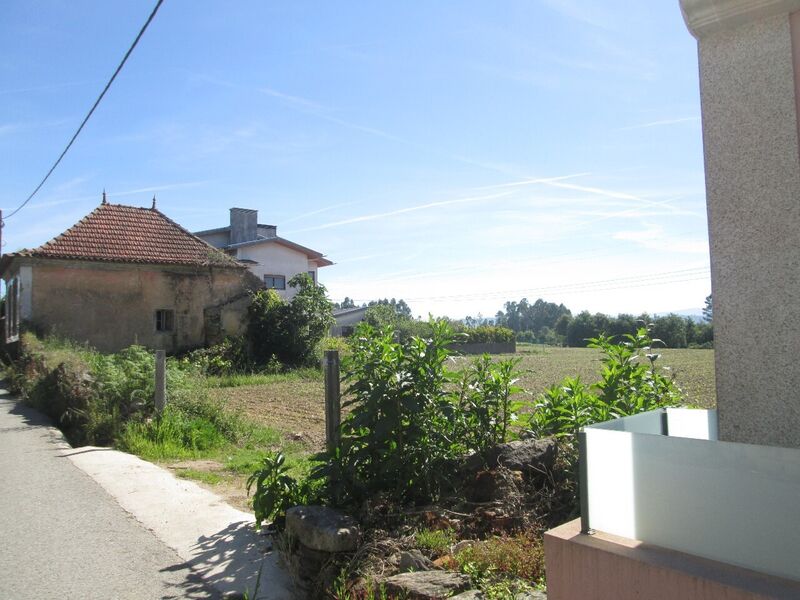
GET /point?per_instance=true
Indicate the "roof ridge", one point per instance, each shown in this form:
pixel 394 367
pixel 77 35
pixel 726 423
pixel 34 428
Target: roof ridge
pixel 124 233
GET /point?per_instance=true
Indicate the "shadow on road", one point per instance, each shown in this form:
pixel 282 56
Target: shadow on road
pixel 230 562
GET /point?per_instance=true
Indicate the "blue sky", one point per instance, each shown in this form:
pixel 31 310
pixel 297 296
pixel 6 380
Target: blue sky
pixel 457 154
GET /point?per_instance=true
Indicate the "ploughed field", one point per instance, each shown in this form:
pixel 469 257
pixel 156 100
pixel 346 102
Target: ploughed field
pixel 294 405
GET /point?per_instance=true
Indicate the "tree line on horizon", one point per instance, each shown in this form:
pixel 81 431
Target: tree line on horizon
pixel 543 322
pixel 550 323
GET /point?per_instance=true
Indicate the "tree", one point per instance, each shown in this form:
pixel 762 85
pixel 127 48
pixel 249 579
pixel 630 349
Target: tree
pixel 289 331
pixel 398 306
pixel 346 303
pixel 671 329
pixel 708 310
pixel 581 329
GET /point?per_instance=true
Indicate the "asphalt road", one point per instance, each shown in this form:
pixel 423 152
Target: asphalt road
pixel 62 536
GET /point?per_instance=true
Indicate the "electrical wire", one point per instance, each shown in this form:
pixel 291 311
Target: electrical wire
pixel 94 106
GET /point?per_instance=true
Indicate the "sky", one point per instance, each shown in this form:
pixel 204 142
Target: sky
pixel 456 154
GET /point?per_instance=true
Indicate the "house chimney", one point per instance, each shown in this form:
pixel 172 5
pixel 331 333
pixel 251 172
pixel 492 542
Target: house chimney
pixel 244 225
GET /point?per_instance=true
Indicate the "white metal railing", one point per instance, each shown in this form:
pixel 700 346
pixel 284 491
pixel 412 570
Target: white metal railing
pixel 663 478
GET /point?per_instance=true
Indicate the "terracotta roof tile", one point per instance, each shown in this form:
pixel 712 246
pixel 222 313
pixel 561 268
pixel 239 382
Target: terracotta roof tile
pixel 129 234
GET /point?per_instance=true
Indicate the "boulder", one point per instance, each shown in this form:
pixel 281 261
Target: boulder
pixel 428 585
pixel 530 457
pixel 412 560
pixel 322 528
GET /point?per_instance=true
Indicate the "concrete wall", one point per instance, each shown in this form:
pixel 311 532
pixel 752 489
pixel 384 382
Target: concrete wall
pixel 218 239
pixel 752 168
pixel 111 306
pixel 275 259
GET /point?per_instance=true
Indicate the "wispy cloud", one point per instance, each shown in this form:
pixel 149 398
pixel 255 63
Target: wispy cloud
pixel 316 212
pixel 662 123
pixel 45 88
pixel 582 12
pixel 653 237
pixel 401 211
pixel 12 128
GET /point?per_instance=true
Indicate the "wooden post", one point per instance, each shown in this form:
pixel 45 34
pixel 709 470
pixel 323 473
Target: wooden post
pixel 332 398
pixel 161 381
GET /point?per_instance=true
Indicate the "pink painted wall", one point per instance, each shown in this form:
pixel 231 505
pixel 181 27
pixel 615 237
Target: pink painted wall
pixel 605 567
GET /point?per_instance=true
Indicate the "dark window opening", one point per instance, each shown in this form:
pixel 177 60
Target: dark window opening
pixel 275 282
pixel 165 320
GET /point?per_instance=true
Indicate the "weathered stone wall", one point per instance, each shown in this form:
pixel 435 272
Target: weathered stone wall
pixel 112 306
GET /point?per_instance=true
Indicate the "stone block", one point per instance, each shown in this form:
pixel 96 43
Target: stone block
pixel 322 528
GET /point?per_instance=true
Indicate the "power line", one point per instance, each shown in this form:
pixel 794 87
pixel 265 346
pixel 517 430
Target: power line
pixel 94 106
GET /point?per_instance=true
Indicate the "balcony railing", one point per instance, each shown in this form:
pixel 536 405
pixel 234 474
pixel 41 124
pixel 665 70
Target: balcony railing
pixel 663 478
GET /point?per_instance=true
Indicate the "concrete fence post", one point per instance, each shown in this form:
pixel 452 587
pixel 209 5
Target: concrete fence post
pixel 332 398
pixel 161 381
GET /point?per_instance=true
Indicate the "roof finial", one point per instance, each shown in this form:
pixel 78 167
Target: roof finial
pixel 104 197
pixel 154 201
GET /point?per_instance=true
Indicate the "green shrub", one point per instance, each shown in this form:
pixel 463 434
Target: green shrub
pixel 489 333
pixel 275 490
pixel 408 418
pixel 483 402
pixel 289 331
pixel 228 357
pixel 435 541
pixel 630 383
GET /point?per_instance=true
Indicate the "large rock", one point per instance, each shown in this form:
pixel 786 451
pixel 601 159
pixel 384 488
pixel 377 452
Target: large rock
pixel 532 457
pixel 322 528
pixel 412 560
pixel 428 585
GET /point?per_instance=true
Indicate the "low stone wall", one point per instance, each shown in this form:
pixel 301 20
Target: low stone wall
pixel 485 348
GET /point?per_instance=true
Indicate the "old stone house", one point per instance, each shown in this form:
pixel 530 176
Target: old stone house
pixel 127 275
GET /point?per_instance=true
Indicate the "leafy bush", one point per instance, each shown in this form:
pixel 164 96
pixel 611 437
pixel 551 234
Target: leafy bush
pixel 275 490
pixel 483 402
pixel 408 418
pixel 289 331
pixel 630 383
pixel 226 358
pixel 489 334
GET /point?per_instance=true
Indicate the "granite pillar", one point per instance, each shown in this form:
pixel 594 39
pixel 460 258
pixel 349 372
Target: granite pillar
pixel 752 165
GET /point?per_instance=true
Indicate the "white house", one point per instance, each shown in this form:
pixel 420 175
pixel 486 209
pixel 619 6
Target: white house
pixel 273 259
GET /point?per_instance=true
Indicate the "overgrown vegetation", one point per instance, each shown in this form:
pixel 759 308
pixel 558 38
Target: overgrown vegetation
pixel 630 383
pixel 413 413
pixel 107 399
pixel 407 417
pixel 289 331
